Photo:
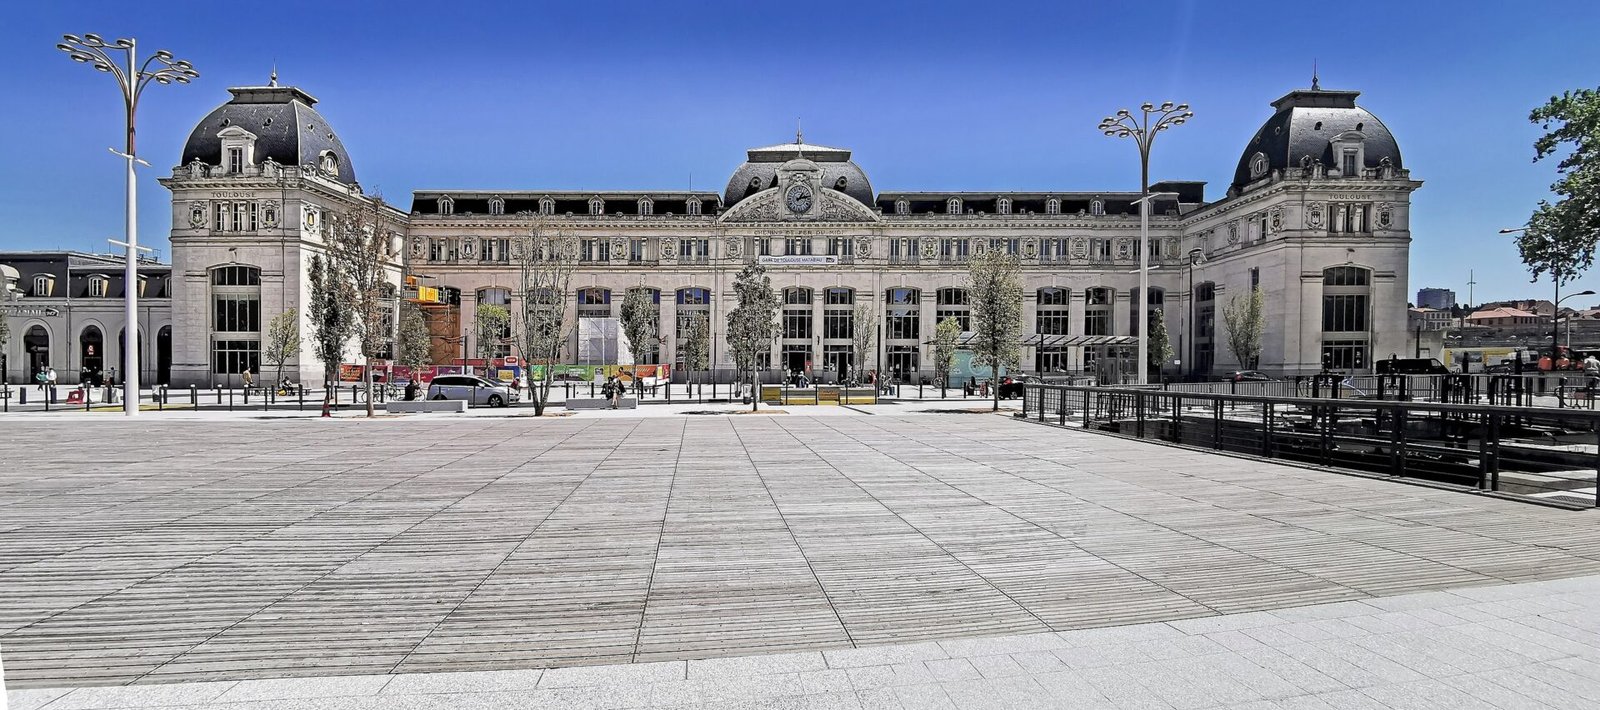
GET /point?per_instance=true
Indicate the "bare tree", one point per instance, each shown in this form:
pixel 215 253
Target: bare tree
pixel 863 328
pixel 546 262
pixel 283 340
pixel 945 338
pixel 331 318
pixel 752 323
pixel 412 342
pixel 359 242
pixel 695 345
pixel 996 297
pixel 493 322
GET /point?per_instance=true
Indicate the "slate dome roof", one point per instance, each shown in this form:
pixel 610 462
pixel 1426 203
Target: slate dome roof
pixel 760 171
pixel 1305 122
pixel 287 130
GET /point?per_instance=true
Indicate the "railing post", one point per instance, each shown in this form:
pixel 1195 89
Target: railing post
pixel 1086 409
pixel 1061 407
pixel 1138 406
pixel 1397 441
pixel 1266 429
pixel 1216 424
pixel 1494 454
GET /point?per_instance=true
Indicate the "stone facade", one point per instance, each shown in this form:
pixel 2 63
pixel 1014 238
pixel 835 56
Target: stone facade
pixel 1324 235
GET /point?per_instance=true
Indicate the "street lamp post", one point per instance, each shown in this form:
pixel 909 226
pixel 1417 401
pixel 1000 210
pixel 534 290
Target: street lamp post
pixel 1143 131
pixel 160 68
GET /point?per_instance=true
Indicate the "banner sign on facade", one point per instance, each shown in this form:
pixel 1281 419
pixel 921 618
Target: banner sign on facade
pixel 799 260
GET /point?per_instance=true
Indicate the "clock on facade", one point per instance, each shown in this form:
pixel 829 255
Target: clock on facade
pixel 799 197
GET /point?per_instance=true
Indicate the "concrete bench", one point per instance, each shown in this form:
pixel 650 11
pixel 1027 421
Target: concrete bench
pixel 601 403
pixel 426 405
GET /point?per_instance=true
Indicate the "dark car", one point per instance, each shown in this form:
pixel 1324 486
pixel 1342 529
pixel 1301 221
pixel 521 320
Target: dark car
pixel 1011 387
pixel 1246 376
pixel 1412 366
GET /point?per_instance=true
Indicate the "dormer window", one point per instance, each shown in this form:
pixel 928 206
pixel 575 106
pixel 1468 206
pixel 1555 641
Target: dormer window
pixel 647 206
pixel 238 149
pixel 1349 150
pixel 447 205
pixel 1052 206
pixel 902 207
pixel 693 205
pixel 329 163
pixel 1097 207
pixel 1347 162
pixel 1003 205
pixel 1258 165
pixel 597 206
pixel 497 205
pixel 98 286
pixel 952 206
pixel 43 284
pixel 547 205
pixel 235 161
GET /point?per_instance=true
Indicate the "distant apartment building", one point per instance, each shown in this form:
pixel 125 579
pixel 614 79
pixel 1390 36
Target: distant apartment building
pixel 1501 317
pixel 1429 319
pixel 1437 298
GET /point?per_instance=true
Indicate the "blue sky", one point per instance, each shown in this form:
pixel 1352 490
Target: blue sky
pixel 929 95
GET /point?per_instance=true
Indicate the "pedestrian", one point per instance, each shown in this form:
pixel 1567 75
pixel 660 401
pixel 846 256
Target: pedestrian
pixel 411 389
pixel 50 376
pixel 249 379
pixel 612 390
pixel 1591 372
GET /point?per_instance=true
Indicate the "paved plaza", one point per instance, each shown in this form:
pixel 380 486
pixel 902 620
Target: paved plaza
pixel 395 551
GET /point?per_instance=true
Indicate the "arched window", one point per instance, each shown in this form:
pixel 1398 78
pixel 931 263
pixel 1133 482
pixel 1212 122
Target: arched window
pixel 547 205
pixel 796 323
pixel 691 301
pixel 494 296
pixel 902 314
pixel 692 206
pixel 597 206
pixel 235 319
pixel 952 303
pixel 236 275
pixel 1154 305
pixel 497 205
pixel 1097 207
pixel 98 286
pixel 952 206
pixel 1346 317
pixel 447 205
pixel 1003 205
pixel 647 206
pixel 594 302
pixel 43 284
pixel 36 343
pixel 902 207
pixel 1052 206
pixel 1052 312
pixel 1205 327
pixel 91 354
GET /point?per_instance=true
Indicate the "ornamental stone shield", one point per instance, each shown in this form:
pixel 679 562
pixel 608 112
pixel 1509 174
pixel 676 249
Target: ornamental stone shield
pixel 197 214
pixel 1314 215
pixel 1233 233
pixel 1124 248
pixel 269 214
pixel 1030 248
pixel 864 247
pixel 669 248
pixel 1170 248
pixel 1080 248
pixel 619 248
pixel 930 248
pixel 419 247
pixel 1385 215
pixel 469 248
pixel 1275 219
pixel 733 247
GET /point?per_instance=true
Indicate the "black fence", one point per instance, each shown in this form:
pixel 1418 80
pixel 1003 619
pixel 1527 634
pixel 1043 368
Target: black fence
pixel 1548 454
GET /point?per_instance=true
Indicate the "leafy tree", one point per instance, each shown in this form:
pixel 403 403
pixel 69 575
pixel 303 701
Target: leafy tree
pixel 945 338
pixel 695 346
pixel 546 262
pixel 283 340
pixel 332 322
pixel 752 323
pixel 863 328
pixel 1160 346
pixel 360 243
pixel 641 322
pixel 995 295
pixel 413 343
pixel 492 324
pixel 1245 317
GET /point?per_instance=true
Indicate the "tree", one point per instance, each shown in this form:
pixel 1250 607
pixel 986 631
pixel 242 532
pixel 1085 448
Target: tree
pixel 1159 349
pixel 995 295
pixel 331 321
pixel 1245 317
pixel 945 337
pixel 695 345
pixel 545 262
pixel 1560 238
pixel 863 328
pixel 283 340
pixel 752 323
pixel 412 342
pixel 641 322
pixel 492 323
pixel 359 241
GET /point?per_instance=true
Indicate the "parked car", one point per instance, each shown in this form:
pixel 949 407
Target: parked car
pixel 1411 366
pixel 1246 376
pixel 474 389
pixel 1011 387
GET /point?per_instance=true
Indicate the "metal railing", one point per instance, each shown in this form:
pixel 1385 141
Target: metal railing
pixel 1547 454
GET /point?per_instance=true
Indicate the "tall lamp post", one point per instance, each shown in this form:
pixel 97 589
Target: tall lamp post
pixel 1143 129
pixel 160 68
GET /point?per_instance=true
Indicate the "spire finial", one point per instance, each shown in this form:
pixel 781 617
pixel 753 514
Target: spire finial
pixel 798 137
pixel 1315 85
pixel 273 81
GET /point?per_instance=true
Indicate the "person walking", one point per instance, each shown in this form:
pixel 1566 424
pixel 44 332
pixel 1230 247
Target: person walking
pixel 1591 373
pixel 248 378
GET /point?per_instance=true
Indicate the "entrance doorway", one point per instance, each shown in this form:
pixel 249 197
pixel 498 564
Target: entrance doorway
pixel 164 355
pixel 91 356
pixel 37 346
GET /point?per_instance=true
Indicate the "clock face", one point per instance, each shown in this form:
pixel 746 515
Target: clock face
pixel 799 198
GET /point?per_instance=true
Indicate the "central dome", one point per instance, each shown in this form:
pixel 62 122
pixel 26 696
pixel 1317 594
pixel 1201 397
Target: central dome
pixel 760 171
pixel 287 130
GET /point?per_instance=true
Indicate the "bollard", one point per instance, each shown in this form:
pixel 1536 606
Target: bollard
pixel 230 399
pixel 87 398
pixel 22 394
pixel 194 397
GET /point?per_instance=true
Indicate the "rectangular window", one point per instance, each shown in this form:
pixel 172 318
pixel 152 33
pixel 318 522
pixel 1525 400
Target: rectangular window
pixel 239 220
pixel 253 213
pixel 220 213
pixel 1344 313
pixel 797 247
pixel 1100 249
pixel 231 357
pixel 763 246
pixel 595 250
pixel 636 251
pixel 1053 250
pixel 842 247
pixel 952 251
pixel 1344 354
pixel 1255 278
pixel 1053 322
pixel 838 324
pixel 903 251
pixel 235 161
pixel 694 251
pixel 236 313
pixel 797 323
pixel 1347 165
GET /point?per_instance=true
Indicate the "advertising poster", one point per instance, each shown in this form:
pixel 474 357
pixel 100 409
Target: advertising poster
pixel 350 373
pixel 403 374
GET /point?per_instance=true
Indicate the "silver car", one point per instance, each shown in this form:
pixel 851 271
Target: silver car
pixel 474 389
